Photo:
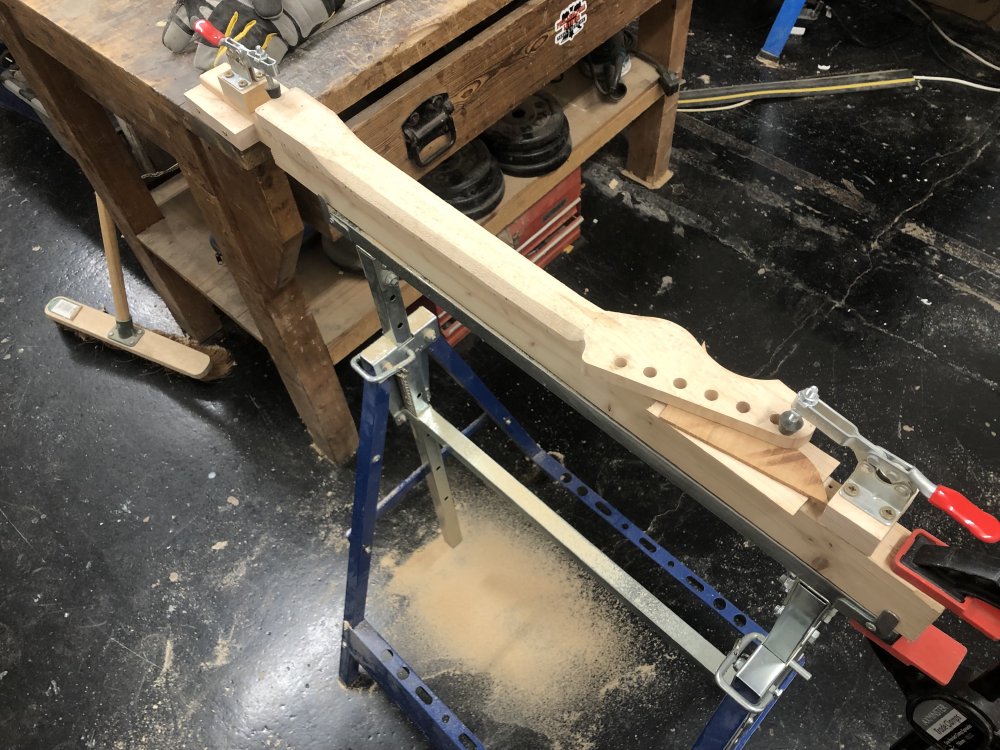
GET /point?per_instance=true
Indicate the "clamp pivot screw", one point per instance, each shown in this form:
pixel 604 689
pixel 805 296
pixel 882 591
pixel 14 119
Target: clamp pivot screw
pixel 789 422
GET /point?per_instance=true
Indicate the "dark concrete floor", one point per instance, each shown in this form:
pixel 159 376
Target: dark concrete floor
pixel 844 242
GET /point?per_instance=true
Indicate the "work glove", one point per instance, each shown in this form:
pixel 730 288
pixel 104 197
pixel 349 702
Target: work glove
pixel 275 25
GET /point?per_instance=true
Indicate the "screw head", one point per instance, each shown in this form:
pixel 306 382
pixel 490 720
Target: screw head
pixel 243 83
pixel 789 422
pixel 851 489
pixel 902 489
pixel 870 626
pixel 889 514
pixel 228 74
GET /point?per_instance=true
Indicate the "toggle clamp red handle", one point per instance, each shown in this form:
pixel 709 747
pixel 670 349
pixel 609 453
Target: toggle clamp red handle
pixel 207 31
pixel 979 523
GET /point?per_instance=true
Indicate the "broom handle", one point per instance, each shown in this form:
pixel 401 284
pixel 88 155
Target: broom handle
pixel 110 238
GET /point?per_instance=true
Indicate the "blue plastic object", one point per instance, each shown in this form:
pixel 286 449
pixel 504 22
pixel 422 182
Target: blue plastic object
pixel 781 29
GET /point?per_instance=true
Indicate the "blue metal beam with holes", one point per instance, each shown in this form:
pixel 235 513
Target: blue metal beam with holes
pixel 731 727
pixel 371 445
pixel 410 693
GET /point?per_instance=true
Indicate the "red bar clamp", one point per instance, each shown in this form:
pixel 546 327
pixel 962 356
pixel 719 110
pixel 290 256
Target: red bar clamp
pixel 959 593
pixel 934 652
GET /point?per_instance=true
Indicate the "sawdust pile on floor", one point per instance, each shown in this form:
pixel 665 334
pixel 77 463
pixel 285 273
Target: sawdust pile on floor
pixel 511 607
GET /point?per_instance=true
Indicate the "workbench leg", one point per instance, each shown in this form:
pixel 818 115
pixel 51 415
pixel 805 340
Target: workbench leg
pixel 253 217
pixel 663 34
pixel 87 132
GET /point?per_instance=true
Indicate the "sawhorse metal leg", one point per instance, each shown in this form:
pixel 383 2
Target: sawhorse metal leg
pixel 405 382
pixel 732 726
pixel 375 408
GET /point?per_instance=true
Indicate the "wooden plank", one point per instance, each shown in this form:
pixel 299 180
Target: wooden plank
pixel 206 101
pixel 663 361
pixel 376 47
pixel 790 466
pixel 591 340
pixel 847 520
pixel 489 75
pixel 550 324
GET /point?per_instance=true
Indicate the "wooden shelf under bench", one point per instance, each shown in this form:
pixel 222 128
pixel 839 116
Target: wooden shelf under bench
pixel 339 300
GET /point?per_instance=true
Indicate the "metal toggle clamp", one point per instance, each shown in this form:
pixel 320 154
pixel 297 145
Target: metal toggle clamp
pixel 883 485
pixel 248 66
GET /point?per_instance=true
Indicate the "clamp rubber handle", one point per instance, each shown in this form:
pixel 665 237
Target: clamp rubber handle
pixel 207 31
pixel 979 523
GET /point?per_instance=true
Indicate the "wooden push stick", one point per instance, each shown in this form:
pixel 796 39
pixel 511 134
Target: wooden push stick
pixel 112 255
pixel 203 363
pixel 629 367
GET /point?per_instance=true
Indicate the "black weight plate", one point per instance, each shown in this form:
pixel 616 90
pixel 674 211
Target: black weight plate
pixel 470 201
pixel 541 154
pixel 483 188
pixel 535 121
pixel 474 202
pixel 466 172
pixel 535 170
pixel 556 142
pixel 489 202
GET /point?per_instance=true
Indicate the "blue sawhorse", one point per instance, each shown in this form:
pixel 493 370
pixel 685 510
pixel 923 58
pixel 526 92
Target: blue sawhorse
pixel 396 374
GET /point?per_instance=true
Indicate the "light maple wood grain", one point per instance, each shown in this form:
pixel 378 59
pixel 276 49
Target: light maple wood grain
pixel 552 325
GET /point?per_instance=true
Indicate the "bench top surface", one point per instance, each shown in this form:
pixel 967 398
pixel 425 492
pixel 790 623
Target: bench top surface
pixel 337 66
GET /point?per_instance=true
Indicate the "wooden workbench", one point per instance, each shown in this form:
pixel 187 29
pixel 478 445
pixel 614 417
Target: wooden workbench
pixel 81 58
